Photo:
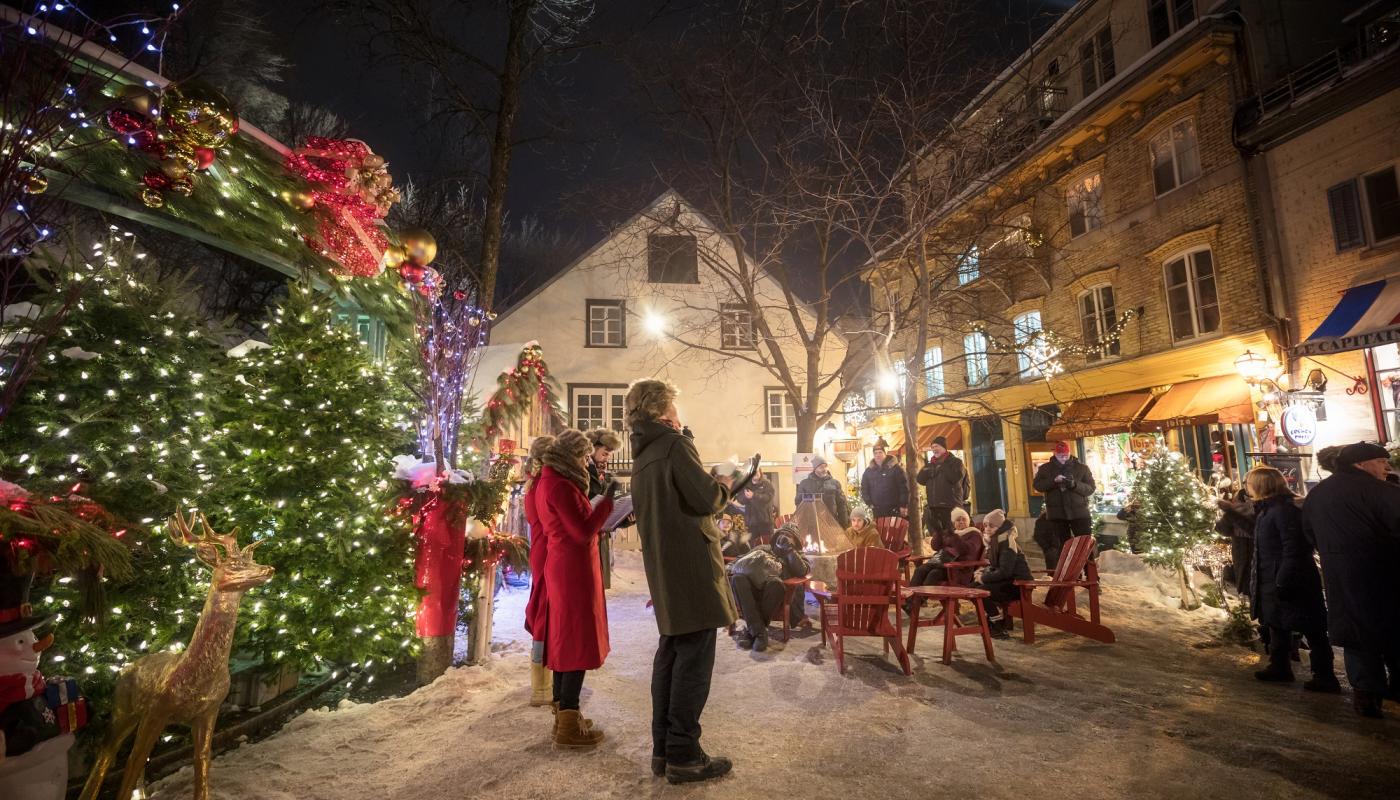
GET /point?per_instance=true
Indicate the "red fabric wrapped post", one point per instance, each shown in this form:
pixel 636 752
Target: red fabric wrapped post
pixel 438 569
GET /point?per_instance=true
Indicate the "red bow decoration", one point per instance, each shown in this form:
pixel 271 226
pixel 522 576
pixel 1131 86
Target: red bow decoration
pixel 352 193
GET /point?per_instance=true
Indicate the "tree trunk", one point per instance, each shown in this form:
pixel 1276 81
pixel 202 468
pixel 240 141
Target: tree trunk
pixel 912 462
pixel 806 433
pixel 479 633
pixel 1190 601
pixel 497 178
pixel 435 658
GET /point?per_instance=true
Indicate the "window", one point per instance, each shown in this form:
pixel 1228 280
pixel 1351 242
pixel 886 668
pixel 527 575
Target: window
pixel 1097 317
pixel 607 324
pixel 1165 17
pixel 597 406
pixel 1031 353
pixel 781 413
pixel 1096 60
pixel 672 258
pixel 735 327
pixel 1344 203
pixel 1191 300
pixel 1085 199
pixel 371 332
pixel 933 371
pixel 975 354
pixel 1175 157
pixel 969 266
pixel 1382 204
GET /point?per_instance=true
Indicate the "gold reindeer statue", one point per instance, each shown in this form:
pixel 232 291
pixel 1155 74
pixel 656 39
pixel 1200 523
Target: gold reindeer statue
pixel 186 687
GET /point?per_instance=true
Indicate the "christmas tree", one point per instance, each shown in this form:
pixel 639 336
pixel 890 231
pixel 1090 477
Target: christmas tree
pixel 1174 513
pixel 119 410
pixel 310 433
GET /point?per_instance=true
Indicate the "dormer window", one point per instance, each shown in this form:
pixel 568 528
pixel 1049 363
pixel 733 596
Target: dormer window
pixel 672 258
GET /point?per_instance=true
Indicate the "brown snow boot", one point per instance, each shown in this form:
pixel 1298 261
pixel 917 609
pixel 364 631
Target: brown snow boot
pixel 571 734
pixel 554 709
pixel 541 685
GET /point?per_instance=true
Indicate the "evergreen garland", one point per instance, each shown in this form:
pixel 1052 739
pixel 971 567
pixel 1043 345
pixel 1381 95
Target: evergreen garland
pixel 311 429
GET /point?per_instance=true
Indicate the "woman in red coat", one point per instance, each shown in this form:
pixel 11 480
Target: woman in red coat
pixel 539 551
pixel 576 614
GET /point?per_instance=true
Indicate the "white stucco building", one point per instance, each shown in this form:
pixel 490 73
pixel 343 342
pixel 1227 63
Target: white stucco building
pixel 656 298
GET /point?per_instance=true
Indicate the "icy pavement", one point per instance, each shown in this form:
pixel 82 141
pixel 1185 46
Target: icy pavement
pixel 1163 713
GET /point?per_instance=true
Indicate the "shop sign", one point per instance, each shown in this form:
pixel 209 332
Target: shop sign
pixel 1299 425
pixel 1142 443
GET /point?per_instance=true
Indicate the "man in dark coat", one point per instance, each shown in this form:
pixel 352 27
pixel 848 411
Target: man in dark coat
pixel 945 486
pixel 1067 484
pixel 1353 517
pixel 822 484
pixel 604 443
pixel 757 578
pixel 884 486
pixel 757 500
pixel 674 500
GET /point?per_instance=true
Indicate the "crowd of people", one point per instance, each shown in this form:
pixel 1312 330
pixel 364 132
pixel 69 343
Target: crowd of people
pixel 714 553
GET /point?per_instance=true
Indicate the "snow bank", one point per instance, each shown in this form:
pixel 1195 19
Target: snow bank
pixel 1159 587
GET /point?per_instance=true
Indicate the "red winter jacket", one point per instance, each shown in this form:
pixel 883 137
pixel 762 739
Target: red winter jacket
pixel 539 550
pixel 576 614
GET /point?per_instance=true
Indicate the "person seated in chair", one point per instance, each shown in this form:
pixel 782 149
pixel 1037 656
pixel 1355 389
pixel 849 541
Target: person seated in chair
pixel 757 579
pixel 963 543
pixel 1007 566
pixel 862 532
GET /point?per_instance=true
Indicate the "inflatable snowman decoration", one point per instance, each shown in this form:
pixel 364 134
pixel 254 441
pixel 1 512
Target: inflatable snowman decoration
pixel 33 747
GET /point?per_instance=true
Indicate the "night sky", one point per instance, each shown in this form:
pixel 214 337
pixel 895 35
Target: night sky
pixel 609 147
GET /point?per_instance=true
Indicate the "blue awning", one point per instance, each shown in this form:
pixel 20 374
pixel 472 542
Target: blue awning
pixel 1367 316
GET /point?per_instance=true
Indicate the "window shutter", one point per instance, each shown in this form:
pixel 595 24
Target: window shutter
pixel 1345 205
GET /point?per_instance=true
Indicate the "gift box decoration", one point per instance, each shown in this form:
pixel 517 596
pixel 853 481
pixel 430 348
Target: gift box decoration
pixel 67 703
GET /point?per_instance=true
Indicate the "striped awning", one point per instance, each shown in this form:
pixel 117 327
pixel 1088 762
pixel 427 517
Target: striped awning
pixel 1367 316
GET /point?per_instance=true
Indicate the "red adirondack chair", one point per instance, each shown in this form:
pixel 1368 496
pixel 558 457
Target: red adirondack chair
pixel 867 590
pixel 894 532
pixel 1059 609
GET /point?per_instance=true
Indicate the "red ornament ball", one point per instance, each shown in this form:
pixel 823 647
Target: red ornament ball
pixel 412 273
pixel 155 179
pixel 127 122
pixel 459 294
pixel 204 157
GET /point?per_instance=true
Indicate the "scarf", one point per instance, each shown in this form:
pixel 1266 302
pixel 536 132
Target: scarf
pixel 568 468
pixel 1007 533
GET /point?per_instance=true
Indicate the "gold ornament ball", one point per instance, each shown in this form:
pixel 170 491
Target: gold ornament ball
pixel 139 99
pixel 302 200
pixel 373 161
pixel 199 115
pixel 183 186
pixel 173 168
pixel 35 183
pixel 152 198
pixel 420 246
pixel 394 256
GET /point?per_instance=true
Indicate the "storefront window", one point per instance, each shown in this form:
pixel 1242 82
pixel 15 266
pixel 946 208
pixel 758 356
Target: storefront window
pixel 1388 377
pixel 1109 458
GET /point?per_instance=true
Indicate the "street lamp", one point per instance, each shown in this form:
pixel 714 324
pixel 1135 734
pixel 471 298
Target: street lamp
pixel 889 382
pixel 654 323
pixel 825 435
pixel 1251 366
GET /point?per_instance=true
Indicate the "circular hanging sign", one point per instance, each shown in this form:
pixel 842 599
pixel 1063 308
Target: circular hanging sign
pixel 1299 425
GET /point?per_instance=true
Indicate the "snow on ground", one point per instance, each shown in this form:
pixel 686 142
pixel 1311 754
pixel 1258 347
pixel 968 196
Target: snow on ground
pixel 1163 713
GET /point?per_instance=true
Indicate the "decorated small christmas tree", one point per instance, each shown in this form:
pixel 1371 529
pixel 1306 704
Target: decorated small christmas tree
pixel 113 427
pixel 309 439
pixel 1174 513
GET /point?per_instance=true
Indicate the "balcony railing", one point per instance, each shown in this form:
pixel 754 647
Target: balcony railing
pixel 1327 69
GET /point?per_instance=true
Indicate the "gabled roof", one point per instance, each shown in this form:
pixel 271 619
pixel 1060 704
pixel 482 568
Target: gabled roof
pixel 669 194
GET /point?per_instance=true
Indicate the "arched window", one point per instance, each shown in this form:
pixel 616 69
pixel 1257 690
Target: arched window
pixel 975 356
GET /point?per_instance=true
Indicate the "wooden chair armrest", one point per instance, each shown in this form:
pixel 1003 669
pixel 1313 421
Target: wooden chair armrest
pixel 917 559
pixel 821 591
pixel 1052 583
pixel 969 564
pixel 795 581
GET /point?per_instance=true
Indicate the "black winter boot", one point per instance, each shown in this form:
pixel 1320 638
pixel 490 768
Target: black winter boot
pixel 707 768
pixel 1367 704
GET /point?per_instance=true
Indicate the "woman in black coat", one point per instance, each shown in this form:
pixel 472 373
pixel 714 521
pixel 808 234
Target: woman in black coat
pixel 1006 565
pixel 1286 589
